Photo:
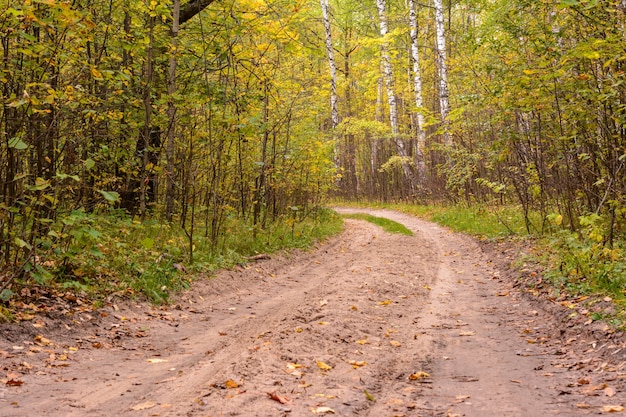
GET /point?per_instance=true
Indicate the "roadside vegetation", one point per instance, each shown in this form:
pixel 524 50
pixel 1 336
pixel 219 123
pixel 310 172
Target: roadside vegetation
pixel 96 256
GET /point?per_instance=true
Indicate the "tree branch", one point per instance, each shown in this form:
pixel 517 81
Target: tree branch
pixel 192 8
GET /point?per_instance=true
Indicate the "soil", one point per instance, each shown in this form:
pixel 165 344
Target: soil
pixel 366 324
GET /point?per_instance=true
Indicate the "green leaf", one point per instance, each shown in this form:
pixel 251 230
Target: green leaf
pixel 111 196
pixel 22 243
pixel 17 143
pixel 89 164
pixel 64 176
pixel 147 243
pixel 6 294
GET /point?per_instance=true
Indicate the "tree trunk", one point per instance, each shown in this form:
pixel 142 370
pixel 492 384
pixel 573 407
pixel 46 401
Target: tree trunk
pixel 442 59
pixel 171 112
pixel 419 103
pixel 391 95
pixel 331 63
pixel 146 134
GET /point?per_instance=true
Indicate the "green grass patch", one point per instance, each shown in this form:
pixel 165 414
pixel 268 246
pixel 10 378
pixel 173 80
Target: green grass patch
pixel 388 225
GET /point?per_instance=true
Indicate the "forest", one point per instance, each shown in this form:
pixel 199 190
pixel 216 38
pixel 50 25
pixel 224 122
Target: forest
pixel 142 138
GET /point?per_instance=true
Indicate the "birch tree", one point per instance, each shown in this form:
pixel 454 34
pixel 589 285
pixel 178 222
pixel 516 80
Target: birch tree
pixel 391 95
pixel 419 103
pixel 444 103
pixel 331 63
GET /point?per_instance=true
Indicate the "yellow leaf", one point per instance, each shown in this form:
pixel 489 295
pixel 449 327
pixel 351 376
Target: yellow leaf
pixel 419 375
pixel 362 342
pixel 357 364
pixel 143 406
pixel 322 410
pixel 395 343
pixel 612 408
pixel 156 360
pixel 294 365
pixel 42 340
pixel 323 366
pixel 384 303
pixel 231 384
pixel 467 334
pixel 96 74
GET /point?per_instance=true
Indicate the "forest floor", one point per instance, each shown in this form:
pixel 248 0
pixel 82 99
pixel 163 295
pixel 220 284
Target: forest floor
pixel 367 324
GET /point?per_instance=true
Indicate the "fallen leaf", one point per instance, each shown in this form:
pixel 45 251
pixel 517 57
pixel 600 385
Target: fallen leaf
pixel 42 340
pixel 143 406
pixel 323 303
pixel 395 343
pixel 323 366
pixel 369 396
pixel 418 375
pixel 274 396
pixel 357 364
pixel 384 303
pixel 322 410
pixel 467 333
pixel 14 382
pixel 362 342
pixel 230 384
pixel 294 365
pixel 156 360
pixel 612 408
pixel 583 405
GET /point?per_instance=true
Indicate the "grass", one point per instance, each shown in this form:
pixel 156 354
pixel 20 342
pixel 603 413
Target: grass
pixel 389 226
pixel 100 255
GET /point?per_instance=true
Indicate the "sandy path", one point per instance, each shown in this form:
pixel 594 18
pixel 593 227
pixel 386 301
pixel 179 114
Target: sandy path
pixel 369 324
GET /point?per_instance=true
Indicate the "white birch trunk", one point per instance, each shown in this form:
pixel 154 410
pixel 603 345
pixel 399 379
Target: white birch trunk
pixel 391 95
pixel 331 63
pixel 444 95
pixel 420 165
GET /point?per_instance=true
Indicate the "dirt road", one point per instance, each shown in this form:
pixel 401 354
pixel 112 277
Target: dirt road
pixel 369 324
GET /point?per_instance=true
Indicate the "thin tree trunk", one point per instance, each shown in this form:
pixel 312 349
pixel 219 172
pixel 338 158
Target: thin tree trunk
pixel 171 112
pixel 391 95
pixel 419 102
pixel 442 59
pixel 147 129
pixel 331 63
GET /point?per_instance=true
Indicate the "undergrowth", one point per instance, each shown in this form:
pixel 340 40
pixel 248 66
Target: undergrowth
pixel 101 255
